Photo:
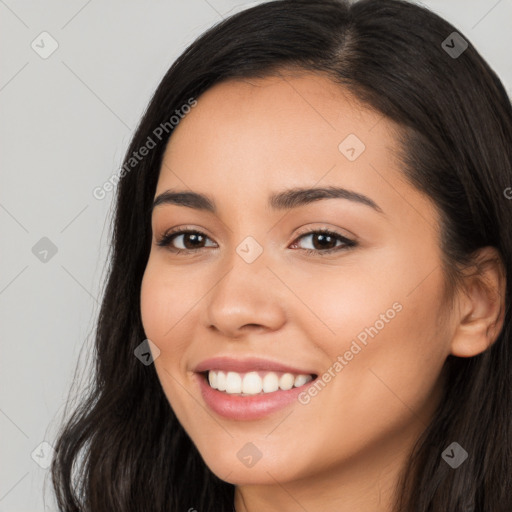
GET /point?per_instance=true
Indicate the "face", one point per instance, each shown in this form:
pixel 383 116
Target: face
pixel 346 289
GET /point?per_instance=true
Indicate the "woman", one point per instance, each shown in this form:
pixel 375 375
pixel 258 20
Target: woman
pixel 308 306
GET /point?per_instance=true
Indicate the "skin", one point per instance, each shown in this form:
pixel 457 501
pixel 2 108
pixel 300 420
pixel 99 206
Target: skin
pixel 343 450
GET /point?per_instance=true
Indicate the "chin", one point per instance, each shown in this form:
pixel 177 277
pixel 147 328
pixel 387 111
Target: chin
pixel 262 472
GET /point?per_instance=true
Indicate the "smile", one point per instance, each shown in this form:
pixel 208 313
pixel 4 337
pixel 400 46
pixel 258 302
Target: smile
pixel 238 406
pixel 255 382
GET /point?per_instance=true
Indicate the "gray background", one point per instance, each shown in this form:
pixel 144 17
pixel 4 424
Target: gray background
pixel 65 122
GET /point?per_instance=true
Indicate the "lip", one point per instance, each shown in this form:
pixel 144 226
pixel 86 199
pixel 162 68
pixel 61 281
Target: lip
pixel 246 408
pixel 230 364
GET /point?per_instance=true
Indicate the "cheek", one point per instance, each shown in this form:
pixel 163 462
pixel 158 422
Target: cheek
pixel 162 307
pixel 165 299
pixel 343 303
pixel 153 305
pixel 401 361
pixel 389 386
pixel 389 332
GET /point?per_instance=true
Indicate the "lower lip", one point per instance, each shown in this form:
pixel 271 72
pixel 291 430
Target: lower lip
pixel 247 407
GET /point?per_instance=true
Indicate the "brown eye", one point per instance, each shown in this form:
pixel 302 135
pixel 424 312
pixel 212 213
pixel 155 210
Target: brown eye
pixel 322 241
pixel 325 241
pixel 188 239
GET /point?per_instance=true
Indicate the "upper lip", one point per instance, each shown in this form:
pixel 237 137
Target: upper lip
pixel 226 363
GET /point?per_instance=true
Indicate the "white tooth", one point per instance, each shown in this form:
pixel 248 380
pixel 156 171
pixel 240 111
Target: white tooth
pixel 252 383
pixel 233 383
pixel 286 381
pixel 300 380
pixel 270 382
pixel 212 379
pixel 221 381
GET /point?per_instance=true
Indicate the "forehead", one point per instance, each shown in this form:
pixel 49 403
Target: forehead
pixel 300 119
pixel 282 110
pixel 250 138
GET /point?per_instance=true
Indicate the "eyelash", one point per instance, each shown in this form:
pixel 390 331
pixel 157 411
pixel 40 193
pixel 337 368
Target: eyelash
pixel 167 238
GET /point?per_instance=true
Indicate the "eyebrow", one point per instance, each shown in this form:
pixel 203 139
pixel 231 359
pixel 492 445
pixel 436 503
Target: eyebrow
pixel 286 200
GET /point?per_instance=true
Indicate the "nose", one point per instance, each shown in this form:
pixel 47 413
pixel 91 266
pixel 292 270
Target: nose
pixel 246 297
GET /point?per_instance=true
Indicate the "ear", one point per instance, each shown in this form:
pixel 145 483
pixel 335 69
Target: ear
pixel 481 305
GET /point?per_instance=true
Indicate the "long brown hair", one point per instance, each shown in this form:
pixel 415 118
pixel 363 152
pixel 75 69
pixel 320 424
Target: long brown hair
pixel 123 448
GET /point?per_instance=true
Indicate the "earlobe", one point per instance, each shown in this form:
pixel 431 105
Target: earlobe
pixel 481 305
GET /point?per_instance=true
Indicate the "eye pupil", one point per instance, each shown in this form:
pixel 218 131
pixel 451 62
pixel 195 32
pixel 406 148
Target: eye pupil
pixel 194 236
pixel 323 238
